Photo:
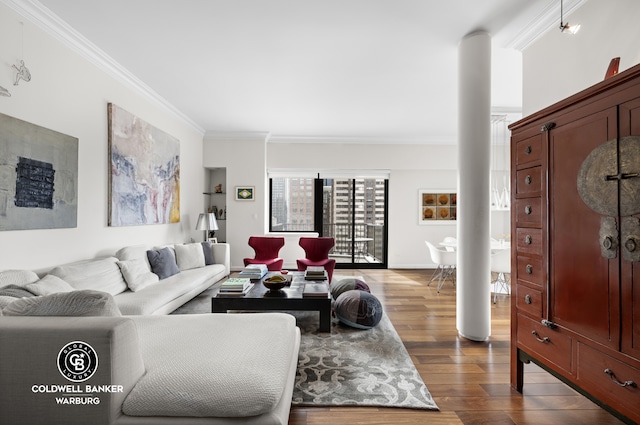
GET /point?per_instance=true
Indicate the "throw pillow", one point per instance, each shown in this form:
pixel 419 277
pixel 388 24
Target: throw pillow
pixel 76 303
pixel 48 285
pixel 137 274
pixel 358 309
pixel 189 256
pixel 16 291
pixel 163 262
pixel 207 248
pixel 100 274
pixel 347 284
pixel 17 277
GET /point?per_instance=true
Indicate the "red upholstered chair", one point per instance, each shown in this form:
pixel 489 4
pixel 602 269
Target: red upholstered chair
pixel 267 249
pixel 317 254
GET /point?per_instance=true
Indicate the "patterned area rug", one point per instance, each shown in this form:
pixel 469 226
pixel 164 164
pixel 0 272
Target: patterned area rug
pixel 356 367
pixel 348 367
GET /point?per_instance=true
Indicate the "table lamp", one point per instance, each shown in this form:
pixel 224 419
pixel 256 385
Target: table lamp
pixel 208 223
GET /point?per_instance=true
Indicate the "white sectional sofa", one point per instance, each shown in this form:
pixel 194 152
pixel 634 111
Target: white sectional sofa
pixel 161 296
pixel 150 367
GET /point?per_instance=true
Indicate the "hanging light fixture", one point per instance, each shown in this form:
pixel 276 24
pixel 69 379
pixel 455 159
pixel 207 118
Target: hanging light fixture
pixel 564 26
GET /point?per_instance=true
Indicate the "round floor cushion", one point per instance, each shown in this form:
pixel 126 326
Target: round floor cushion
pixel 347 284
pixel 358 309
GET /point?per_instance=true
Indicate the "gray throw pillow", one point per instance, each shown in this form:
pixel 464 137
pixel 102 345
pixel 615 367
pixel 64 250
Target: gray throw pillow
pixel 16 291
pixel 76 303
pixel 163 262
pixel 207 247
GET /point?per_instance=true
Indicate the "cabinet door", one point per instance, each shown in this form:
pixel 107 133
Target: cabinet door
pixel 584 286
pixel 630 270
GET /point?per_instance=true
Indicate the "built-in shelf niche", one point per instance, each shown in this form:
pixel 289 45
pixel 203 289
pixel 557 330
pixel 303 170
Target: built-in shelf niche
pixel 216 199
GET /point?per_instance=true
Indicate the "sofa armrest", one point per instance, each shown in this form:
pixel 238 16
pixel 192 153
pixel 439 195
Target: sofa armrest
pixel 222 255
pixel 33 390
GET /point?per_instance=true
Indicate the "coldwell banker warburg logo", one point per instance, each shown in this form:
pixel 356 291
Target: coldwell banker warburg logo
pixel 77 362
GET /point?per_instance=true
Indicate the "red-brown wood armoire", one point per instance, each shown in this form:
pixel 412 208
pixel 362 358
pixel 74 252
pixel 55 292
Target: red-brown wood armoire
pixel 575 172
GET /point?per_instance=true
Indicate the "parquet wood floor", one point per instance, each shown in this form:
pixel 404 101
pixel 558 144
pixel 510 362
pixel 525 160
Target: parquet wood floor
pixel 468 380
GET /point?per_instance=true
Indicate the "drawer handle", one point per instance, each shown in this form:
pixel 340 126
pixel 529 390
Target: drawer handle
pixel 529 269
pixel 527 299
pixel 527 150
pixel 616 381
pixel 528 240
pixel 545 339
pixel 528 210
pixel 527 179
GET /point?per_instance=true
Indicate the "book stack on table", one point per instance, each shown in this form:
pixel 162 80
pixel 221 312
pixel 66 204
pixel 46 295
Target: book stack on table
pixel 315 290
pixel 234 286
pixel 254 271
pixel 315 273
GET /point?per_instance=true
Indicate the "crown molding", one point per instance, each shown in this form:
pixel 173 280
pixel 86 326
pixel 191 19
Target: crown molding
pixel 365 140
pixel 546 20
pixel 49 22
pixel 237 136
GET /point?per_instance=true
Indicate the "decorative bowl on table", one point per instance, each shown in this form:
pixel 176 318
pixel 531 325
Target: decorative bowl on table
pixel 275 282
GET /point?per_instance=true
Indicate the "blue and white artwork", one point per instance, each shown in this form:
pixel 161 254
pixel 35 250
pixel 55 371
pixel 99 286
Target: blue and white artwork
pixel 145 172
pixel 38 177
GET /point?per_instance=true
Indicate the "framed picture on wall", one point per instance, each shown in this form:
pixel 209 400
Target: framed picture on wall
pixel 437 206
pixel 245 193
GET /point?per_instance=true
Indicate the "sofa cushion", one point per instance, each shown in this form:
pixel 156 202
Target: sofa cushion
pixel 170 293
pixel 48 285
pixel 163 262
pixel 207 249
pixel 189 256
pixel 237 377
pixel 137 274
pixel 75 303
pixel 101 274
pixel 5 300
pixel 17 277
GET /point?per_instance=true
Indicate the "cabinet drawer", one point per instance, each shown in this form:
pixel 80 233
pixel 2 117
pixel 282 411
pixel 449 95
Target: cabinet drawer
pixel 529 181
pixel 529 269
pixel 593 378
pixel 528 150
pixel 528 212
pixel 545 342
pixel 529 241
pixel 529 300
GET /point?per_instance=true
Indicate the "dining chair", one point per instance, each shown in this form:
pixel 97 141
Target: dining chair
pixel 446 265
pixel 501 265
pixel 450 243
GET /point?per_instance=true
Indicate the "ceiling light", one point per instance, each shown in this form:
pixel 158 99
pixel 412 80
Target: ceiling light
pixel 565 27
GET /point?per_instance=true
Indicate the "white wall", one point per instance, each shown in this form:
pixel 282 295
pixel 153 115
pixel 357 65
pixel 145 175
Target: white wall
pixel 244 156
pixel 247 159
pixel 68 94
pixel 558 65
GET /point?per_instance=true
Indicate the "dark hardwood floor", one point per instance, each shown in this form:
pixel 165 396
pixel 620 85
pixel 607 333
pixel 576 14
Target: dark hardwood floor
pixel 468 380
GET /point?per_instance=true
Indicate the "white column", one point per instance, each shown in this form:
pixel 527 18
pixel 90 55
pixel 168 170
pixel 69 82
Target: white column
pixel 473 302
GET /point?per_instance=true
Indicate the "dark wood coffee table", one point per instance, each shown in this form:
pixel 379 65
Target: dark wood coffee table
pixel 288 298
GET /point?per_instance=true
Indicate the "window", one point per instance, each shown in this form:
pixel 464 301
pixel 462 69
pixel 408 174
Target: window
pixel 292 204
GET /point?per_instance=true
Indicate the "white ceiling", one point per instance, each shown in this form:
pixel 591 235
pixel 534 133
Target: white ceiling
pixel 331 69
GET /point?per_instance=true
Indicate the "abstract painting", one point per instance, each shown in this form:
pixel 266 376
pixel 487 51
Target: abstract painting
pixel 144 181
pixel 38 177
pixel 437 206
